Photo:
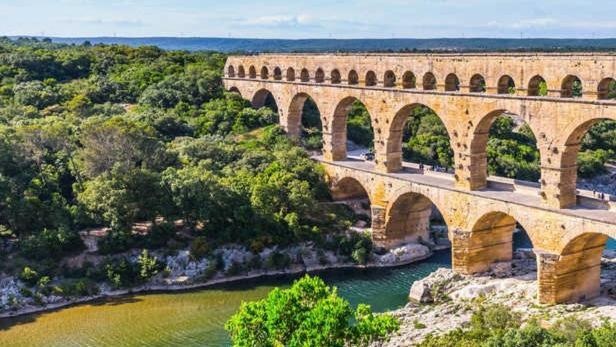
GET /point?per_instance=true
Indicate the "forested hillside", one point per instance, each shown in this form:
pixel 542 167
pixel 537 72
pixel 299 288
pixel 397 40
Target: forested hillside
pixel 108 136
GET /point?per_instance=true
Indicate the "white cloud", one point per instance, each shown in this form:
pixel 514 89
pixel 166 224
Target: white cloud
pixel 277 21
pixel 534 22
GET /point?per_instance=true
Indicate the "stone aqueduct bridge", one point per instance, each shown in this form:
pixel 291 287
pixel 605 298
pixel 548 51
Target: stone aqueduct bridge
pixel 467 91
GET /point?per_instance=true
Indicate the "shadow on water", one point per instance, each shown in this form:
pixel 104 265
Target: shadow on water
pixel 10 322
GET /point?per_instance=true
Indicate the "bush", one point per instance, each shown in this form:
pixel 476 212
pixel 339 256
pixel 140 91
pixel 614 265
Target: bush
pixel 307 314
pixel 51 243
pixel 29 276
pixel 78 288
pixel 122 273
pixel 497 326
pixel 116 241
pixel 360 255
pixel 358 246
pixel 592 163
pixel 148 266
pixel 159 235
pixel 278 261
pixel 199 248
pixel 234 269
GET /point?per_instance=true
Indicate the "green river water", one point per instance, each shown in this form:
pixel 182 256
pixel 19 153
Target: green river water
pixel 196 318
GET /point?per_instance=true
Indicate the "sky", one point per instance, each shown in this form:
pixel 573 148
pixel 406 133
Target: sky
pixel 293 19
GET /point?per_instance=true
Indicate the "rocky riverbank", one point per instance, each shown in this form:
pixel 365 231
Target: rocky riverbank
pixel 182 272
pixel 445 300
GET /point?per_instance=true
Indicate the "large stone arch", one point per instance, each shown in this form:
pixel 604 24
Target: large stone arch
pixel 476 162
pixel 566 164
pixel 393 140
pixel 405 215
pixel 407 218
pixel 235 89
pixel 335 130
pixel 260 97
pixel 489 240
pixel 574 274
pixel 349 188
pixel 292 123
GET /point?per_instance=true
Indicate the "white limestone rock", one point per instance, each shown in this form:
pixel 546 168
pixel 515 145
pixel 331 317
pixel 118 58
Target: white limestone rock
pixel 404 254
pixel 501 269
pixel 420 293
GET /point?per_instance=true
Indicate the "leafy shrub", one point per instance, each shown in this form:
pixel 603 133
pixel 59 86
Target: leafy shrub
pixel 149 266
pixel 199 248
pixel 122 273
pixel 497 326
pixel 592 163
pixel 29 276
pixel 159 235
pixel 277 260
pixel 307 314
pixel 77 288
pixel 51 243
pixel 116 241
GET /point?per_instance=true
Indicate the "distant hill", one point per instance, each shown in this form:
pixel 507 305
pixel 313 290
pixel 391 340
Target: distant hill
pixel 352 45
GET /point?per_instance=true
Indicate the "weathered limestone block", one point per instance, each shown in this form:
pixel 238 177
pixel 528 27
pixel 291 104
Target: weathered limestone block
pixel 569 278
pixel 420 293
pixel 474 252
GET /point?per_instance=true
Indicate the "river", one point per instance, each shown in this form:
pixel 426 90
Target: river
pixel 196 318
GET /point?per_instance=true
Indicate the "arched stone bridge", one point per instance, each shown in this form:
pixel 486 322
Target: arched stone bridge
pixel 467 91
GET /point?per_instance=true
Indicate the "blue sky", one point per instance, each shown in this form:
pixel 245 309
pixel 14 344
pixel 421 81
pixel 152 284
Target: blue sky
pixel 310 18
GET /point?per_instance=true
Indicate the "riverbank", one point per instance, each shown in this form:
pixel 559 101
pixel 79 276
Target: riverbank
pixel 183 273
pixel 445 294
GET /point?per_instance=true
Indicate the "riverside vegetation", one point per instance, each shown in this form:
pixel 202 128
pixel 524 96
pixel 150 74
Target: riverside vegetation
pixel 145 145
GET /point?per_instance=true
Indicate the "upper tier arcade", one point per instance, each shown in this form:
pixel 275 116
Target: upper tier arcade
pixel 443 72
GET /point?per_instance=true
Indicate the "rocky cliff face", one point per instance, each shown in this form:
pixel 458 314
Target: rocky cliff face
pixel 445 300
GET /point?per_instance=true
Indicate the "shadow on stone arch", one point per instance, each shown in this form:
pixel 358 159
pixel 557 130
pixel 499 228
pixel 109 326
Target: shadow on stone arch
pixel 351 130
pixel 304 121
pixel 413 218
pixel 264 98
pixel 490 246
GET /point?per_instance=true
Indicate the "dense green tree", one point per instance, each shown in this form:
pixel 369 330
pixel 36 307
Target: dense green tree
pixel 122 197
pixel 425 139
pixel 37 94
pixel 359 125
pixel 308 314
pixel 118 143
